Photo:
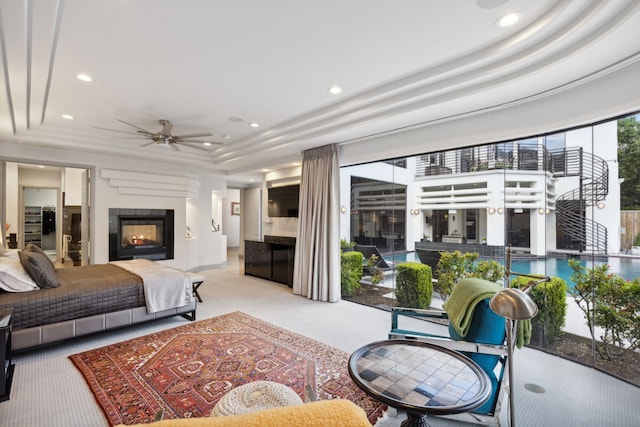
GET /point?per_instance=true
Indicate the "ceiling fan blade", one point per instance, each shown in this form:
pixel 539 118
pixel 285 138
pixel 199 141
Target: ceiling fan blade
pixel 197 141
pixel 148 143
pixel 193 135
pixel 174 146
pixel 115 130
pixel 197 147
pixel 141 130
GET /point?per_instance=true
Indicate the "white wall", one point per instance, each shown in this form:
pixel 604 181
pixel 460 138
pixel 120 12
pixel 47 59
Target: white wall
pixel 212 247
pixel 250 216
pixel 74 180
pixel 11 195
pixel 231 223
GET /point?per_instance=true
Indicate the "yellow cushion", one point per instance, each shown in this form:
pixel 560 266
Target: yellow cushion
pixel 323 413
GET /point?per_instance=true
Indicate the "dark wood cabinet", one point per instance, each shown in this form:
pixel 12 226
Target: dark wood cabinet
pixel 257 259
pixel 282 264
pixel 6 373
pixel 271 259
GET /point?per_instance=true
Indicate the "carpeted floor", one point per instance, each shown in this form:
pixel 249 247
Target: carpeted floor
pixel 48 391
pixel 184 371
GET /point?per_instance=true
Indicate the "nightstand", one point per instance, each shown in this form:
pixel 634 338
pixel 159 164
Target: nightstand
pixel 6 373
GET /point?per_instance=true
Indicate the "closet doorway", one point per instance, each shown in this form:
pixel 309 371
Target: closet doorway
pixel 39 218
pixel 49 206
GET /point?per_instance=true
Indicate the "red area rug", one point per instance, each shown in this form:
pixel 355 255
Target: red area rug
pixel 184 371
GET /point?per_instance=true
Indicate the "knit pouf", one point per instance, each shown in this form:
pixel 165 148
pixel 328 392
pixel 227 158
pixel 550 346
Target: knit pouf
pixel 255 396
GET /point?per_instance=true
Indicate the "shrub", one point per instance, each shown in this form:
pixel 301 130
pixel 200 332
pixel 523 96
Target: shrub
pixel 377 274
pixel 489 269
pixel 350 272
pixel 551 299
pixel 610 302
pixel 414 287
pixel 452 267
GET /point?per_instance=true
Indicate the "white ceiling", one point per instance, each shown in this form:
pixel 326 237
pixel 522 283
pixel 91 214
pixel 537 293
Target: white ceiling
pixel 214 66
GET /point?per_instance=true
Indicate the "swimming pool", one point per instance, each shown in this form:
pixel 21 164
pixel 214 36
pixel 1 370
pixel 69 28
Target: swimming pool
pixel 628 268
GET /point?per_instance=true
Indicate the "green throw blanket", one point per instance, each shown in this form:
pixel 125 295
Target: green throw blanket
pixel 523 334
pixel 463 300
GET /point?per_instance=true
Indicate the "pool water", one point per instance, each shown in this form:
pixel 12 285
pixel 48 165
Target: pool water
pixel 628 268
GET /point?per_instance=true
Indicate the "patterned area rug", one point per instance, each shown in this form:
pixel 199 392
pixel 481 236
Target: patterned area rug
pixel 184 371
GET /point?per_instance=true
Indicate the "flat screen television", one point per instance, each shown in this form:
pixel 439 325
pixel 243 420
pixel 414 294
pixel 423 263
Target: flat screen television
pixel 283 201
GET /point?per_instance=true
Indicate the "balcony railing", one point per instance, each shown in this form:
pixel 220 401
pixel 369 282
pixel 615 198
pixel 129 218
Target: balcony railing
pixel 531 157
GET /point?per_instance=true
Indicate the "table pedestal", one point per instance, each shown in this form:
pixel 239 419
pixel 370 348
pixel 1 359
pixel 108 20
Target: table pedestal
pixel 415 420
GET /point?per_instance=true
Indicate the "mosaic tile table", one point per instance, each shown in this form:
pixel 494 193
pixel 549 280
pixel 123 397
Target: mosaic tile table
pixel 419 378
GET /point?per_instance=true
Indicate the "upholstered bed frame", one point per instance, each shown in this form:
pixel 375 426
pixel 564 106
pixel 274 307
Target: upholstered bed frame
pixel 51 305
pixel 23 339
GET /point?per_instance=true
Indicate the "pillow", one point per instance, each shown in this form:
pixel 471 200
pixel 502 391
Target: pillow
pixel 40 268
pixel 13 276
pixel 33 248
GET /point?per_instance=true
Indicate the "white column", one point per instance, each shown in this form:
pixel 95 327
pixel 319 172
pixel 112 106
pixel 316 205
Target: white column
pixel 537 223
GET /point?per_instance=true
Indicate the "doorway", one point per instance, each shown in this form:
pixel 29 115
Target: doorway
pixel 39 223
pixel 47 205
pixel 440 221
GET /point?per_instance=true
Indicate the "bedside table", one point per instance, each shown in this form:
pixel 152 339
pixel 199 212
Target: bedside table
pixel 6 372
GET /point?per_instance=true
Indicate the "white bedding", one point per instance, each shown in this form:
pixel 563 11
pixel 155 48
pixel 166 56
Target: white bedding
pixel 13 276
pixel 164 287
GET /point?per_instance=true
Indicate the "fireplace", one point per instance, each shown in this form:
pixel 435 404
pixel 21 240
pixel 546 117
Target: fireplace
pixel 140 233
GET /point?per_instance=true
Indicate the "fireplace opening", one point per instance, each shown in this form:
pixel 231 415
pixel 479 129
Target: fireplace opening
pixel 140 233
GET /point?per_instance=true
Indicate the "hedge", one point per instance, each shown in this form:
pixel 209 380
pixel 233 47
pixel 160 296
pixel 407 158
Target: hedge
pixel 350 272
pixel 414 287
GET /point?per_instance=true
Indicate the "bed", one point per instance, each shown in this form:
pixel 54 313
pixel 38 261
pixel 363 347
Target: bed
pixel 51 305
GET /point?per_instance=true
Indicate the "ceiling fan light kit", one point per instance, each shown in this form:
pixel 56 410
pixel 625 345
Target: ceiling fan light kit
pixel 166 137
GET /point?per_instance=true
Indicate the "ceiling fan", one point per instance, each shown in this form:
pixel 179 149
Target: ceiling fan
pixel 164 136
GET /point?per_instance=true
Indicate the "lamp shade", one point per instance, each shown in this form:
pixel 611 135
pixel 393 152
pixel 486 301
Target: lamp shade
pixel 513 304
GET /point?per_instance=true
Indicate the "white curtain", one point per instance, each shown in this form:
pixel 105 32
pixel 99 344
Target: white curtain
pixel 316 273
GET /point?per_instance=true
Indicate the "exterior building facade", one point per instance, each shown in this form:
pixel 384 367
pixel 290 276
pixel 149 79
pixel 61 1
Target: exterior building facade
pixel 542 194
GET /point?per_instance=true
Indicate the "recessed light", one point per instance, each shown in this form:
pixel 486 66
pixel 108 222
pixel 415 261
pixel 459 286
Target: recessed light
pixel 41 166
pixel 266 170
pixel 334 90
pixel 206 143
pixel 508 20
pixel 236 119
pixel 254 125
pixel 226 136
pixel 84 77
pixel 68 116
pixel 252 180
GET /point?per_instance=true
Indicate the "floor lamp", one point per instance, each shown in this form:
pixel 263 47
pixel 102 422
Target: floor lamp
pixel 513 305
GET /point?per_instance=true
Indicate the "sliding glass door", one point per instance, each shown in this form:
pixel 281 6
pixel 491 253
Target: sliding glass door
pixel 554 200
